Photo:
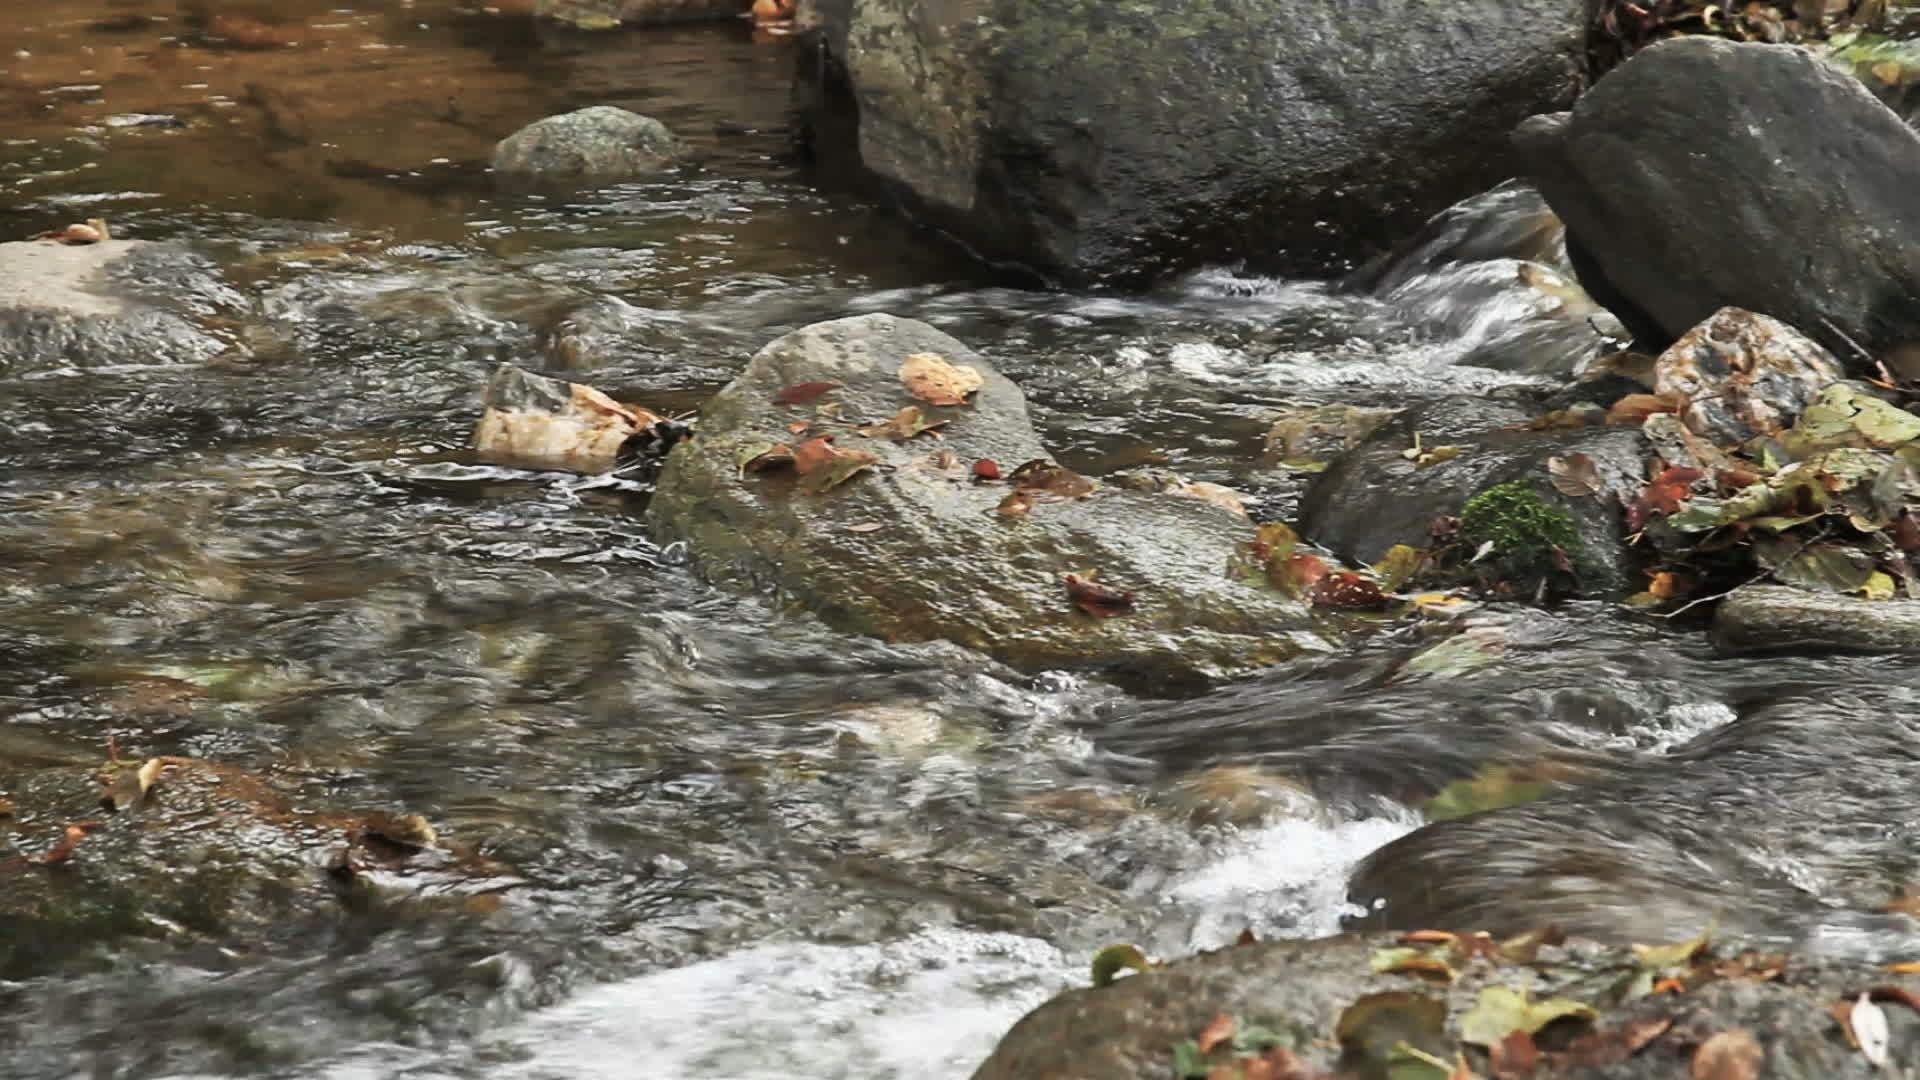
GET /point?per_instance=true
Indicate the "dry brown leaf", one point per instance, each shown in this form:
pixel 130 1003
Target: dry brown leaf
pixel 1729 1055
pixel 1246 937
pixel 1097 599
pixel 1460 1069
pixel 1044 477
pixel 1429 937
pixel 69 838
pixel 1217 1031
pixel 838 467
pixel 929 377
pixel 801 393
pixel 1635 408
pixel 904 425
pixel 813 454
pixel 94 231
pixel 1015 504
pixel 1514 1055
pixel 1575 474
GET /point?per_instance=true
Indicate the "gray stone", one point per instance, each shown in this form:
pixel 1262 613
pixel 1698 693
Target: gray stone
pixel 601 144
pixel 1096 142
pixel 106 304
pixel 1764 618
pixel 912 550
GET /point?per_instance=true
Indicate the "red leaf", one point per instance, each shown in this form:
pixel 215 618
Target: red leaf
pixel 801 393
pixel 1095 598
pixel 1513 1056
pixel 812 454
pixel 986 469
pixel 1348 590
pixel 1298 572
pixel 1663 495
pixel 72 836
pixel 1217 1031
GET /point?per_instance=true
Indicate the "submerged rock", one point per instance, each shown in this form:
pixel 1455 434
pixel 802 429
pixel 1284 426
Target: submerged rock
pixel 1376 496
pixel 1094 142
pixel 911 547
pixel 601 144
pixel 1703 174
pixel 109 303
pixel 1323 1008
pixel 1766 618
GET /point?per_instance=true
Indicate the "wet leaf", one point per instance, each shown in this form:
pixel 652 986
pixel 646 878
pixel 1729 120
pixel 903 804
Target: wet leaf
pixel 761 456
pixel 905 424
pixel 1502 1009
pixel 1846 416
pixel 801 393
pixel 1015 504
pixel 1097 599
pixel 1514 1055
pixel 1412 959
pixel 812 454
pixel 1408 1062
pixel 929 377
pixel 1397 567
pixel 1045 477
pixel 1611 1046
pixel 1345 590
pixel 1493 786
pixel 1662 495
pixel 1380 1030
pixel 867 527
pixel 1635 408
pixel 1217 1031
pixel 1833 568
pixel 839 466
pixel 1869 1025
pixel 1575 474
pixel 1880 586
pixel 986 469
pixel 1110 961
pixel 1438 454
pixel 1728 1055
pixel 1677 955
pixel 70 838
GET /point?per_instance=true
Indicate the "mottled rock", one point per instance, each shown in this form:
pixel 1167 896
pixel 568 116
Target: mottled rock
pixel 1742 375
pixel 111 303
pixel 1763 618
pixel 601 144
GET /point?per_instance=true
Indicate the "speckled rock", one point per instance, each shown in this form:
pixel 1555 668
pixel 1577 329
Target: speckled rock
pixel 597 145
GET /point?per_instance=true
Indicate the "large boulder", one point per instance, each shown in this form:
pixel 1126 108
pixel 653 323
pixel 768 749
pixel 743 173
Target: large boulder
pixel 1093 142
pixel 109 303
pixel 601 144
pixel 912 549
pixel 1311 1009
pixel 1704 173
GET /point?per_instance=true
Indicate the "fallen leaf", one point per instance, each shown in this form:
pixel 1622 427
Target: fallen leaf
pixel 94 231
pixel 1429 937
pixel 1097 599
pixel 905 424
pixel 1515 1055
pixel 1575 474
pixel 1460 1069
pixel 1502 1009
pixel 1110 961
pixel 986 469
pixel 929 377
pixel 839 467
pixel 1635 408
pixel 1663 495
pixel 799 427
pixel 1728 1055
pixel 1040 476
pixel 1413 960
pixel 812 454
pixel 1678 954
pixel 1397 567
pixel 1869 1025
pixel 1246 937
pixel 1217 1031
pixel 1347 591
pixel 759 457
pixel 69 838
pixel 1298 572
pixel 1015 504
pixel 867 527
pixel 801 393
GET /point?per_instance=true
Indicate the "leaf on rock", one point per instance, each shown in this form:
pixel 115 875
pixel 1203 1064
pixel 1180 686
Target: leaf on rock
pixel 1635 408
pixel 1110 961
pixel 801 393
pixel 761 456
pixel 929 377
pixel 1096 599
pixel 986 469
pixel 1413 959
pixel 839 467
pixel 906 424
pixel 1044 477
pixel 1880 586
pixel 1397 567
pixel 1501 1010
pixel 1345 590
pixel 1575 474
pixel 812 454
pixel 867 527
pixel 1680 954
pixel 1830 568
pixel 1217 1031
pixel 1728 1055
pixel 1514 1055
pixel 1868 1024
pixel 1662 495
pixel 1015 504
pixel 70 838
pixel 1298 572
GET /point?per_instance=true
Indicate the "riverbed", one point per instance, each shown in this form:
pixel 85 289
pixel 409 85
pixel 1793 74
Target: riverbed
pixel 752 847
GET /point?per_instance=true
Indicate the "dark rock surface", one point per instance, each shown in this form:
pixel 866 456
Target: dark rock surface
pixel 111 303
pixel 1114 143
pixel 911 550
pixel 1763 618
pixel 1704 173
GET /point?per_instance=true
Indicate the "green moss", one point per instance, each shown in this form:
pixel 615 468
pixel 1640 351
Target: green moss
pixel 1525 532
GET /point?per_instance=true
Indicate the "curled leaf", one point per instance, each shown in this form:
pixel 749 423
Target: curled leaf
pixel 1015 504
pixel 801 393
pixel 929 377
pixel 1096 599
pixel 1045 477
pixel 1217 1031
pixel 905 424
pixel 759 457
pixel 1575 474
pixel 1110 961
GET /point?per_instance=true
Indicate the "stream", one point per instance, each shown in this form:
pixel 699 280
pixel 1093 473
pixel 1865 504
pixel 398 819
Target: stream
pixel 753 848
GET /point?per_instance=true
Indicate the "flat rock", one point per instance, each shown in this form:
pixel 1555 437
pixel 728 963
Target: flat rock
pixel 106 304
pixel 1765 618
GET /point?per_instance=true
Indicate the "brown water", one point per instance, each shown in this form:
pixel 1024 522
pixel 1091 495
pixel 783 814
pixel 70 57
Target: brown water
pixel 755 848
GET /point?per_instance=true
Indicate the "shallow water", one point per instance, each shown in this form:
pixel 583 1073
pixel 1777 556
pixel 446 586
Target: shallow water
pixel 752 847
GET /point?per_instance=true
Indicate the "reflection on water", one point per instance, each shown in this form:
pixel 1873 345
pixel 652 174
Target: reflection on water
pixel 795 853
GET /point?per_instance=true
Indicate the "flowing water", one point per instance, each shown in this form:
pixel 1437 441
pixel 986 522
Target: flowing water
pixel 751 847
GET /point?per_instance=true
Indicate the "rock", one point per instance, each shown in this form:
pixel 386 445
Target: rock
pixel 1743 375
pixel 911 549
pixel 1703 174
pixel 1318 1000
pixel 110 303
pixel 1373 497
pixel 1763 618
pixel 207 852
pixel 610 14
pixel 533 422
pixel 1095 143
pixel 1776 823
pixel 596 145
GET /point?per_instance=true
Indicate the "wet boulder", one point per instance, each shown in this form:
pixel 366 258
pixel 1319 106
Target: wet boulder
pixel 1431 461
pixel 903 536
pixel 107 303
pixel 196 851
pixel 601 144
pixel 1781 822
pixel 1740 374
pixel 1704 173
pixel 1376 1007
pixel 1771 618
pixel 1100 143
